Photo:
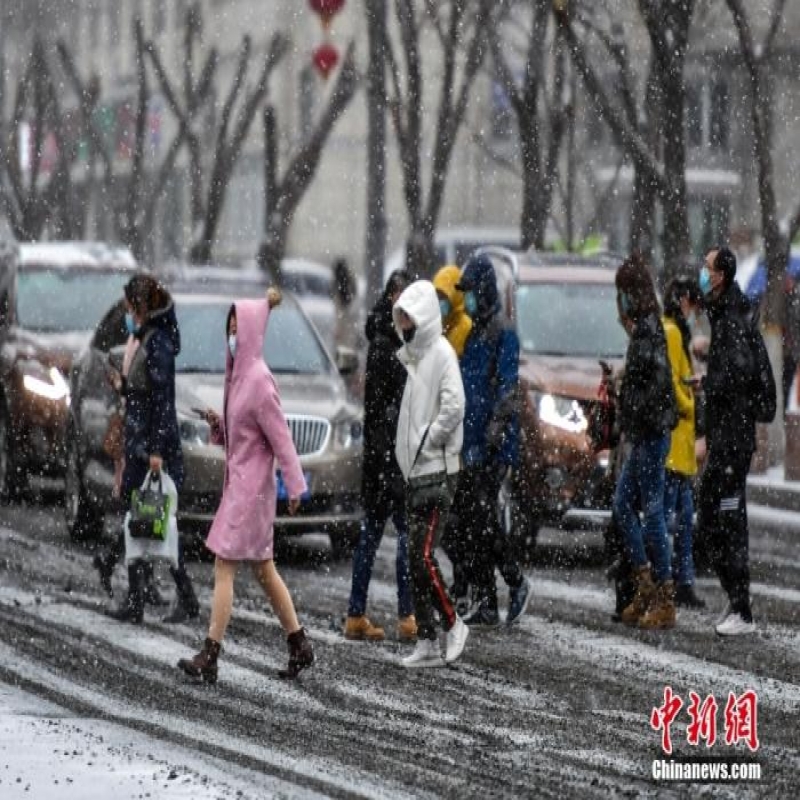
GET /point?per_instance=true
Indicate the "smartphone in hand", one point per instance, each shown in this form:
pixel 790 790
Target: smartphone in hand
pixel 201 412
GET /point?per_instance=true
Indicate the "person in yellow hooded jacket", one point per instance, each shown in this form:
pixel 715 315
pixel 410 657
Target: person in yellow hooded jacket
pixel 456 323
pixel 681 303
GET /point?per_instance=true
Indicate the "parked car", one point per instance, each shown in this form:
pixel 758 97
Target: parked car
pixel 326 426
pixel 454 246
pixel 310 282
pixel 50 307
pixel 564 310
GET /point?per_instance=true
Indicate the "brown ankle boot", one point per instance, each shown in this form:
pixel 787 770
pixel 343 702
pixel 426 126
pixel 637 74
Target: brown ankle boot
pixel 645 592
pixel 204 664
pixel 661 613
pixel 300 654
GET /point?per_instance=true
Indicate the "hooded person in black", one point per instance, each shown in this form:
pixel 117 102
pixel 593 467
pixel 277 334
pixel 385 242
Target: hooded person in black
pixel 382 486
pixel 730 433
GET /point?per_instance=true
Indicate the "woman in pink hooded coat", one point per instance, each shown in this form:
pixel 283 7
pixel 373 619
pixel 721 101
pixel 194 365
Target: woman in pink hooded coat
pixel 255 433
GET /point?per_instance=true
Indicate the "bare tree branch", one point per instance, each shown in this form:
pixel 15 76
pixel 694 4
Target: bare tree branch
pixel 619 123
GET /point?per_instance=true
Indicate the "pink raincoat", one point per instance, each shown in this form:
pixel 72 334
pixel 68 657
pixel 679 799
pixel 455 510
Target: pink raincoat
pixel 255 434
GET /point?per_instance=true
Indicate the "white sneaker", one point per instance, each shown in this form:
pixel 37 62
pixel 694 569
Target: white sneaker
pixel 456 639
pixel 724 615
pixel 735 625
pixel 426 654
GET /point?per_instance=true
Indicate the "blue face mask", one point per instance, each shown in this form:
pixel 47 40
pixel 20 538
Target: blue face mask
pixel 705 281
pixel 232 345
pixel 444 307
pixel 130 324
pixel 625 304
pixel 471 304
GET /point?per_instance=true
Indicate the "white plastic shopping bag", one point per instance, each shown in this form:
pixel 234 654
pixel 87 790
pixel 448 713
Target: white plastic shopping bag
pixel 160 488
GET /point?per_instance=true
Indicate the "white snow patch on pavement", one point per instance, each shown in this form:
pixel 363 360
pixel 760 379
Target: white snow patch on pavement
pixel 319 769
pixel 51 753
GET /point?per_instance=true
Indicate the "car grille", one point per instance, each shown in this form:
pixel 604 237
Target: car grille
pixel 310 434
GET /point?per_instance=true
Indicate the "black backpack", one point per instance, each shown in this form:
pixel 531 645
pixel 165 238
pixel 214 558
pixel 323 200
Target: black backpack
pixel 763 393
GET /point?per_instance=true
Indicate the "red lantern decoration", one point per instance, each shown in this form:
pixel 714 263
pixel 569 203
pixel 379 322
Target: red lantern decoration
pixel 326 9
pixel 326 57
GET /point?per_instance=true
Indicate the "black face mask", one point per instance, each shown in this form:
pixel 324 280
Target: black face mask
pixel 408 335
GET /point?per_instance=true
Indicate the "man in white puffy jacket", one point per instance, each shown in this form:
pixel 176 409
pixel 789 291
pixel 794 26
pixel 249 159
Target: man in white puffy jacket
pixel 428 450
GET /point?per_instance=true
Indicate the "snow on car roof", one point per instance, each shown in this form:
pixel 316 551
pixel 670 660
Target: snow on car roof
pixel 66 255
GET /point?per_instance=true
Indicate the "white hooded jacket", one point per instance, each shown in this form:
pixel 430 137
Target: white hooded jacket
pixel 434 395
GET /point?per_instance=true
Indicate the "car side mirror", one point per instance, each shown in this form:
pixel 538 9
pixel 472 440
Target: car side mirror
pixel 346 360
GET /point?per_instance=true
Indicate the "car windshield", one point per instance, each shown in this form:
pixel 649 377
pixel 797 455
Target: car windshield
pixel 66 300
pixel 290 347
pixel 570 319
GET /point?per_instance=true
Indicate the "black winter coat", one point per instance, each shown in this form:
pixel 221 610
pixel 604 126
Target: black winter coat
pixel 151 419
pixel 384 382
pixel 647 408
pixel 730 418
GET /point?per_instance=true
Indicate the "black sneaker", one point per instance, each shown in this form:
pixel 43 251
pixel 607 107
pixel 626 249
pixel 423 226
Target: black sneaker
pixel 686 598
pixel 518 604
pixel 483 617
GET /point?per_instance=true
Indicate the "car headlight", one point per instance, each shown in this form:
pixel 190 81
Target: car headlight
pixel 194 431
pixel 561 412
pixel 348 433
pixel 48 383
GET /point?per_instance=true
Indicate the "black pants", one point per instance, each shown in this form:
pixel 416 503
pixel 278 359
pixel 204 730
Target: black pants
pixel 426 523
pixel 723 522
pixel 476 540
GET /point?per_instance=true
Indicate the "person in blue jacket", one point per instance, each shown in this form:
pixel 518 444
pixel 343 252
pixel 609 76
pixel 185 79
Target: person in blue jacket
pixel 490 373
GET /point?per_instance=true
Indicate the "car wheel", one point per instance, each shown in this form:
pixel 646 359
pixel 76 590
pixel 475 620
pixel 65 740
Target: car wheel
pixel 344 541
pixel 13 479
pixel 84 519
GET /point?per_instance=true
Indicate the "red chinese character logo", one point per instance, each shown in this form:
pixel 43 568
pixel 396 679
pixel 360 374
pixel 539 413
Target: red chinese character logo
pixel 661 718
pixel 704 720
pixel 741 719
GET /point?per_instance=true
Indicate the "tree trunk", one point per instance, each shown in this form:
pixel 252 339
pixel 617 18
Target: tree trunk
pixel 375 245
pixel 645 192
pixel 532 225
pixel 677 246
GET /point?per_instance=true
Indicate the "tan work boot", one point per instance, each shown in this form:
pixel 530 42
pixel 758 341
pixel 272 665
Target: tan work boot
pixel 645 592
pixel 661 613
pixel 407 628
pixel 360 628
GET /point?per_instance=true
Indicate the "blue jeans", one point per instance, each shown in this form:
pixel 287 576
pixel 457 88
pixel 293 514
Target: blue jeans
pixel 364 558
pixel 641 487
pixel 679 500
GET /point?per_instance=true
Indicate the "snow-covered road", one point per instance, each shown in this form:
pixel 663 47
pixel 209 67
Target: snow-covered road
pixel 558 706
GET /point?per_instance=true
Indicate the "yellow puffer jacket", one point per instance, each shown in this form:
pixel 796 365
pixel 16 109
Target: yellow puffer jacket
pixel 457 324
pixel 681 456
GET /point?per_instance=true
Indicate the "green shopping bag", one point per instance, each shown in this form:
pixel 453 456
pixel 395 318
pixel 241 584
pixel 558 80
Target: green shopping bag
pixel 150 509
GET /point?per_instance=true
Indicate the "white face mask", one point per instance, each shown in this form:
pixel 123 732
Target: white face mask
pixel 232 345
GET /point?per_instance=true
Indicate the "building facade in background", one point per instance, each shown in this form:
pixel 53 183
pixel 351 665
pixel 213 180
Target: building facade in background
pixel 483 188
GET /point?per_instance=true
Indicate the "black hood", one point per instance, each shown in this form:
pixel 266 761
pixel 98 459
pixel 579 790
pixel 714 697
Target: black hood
pixel 164 319
pixel 380 323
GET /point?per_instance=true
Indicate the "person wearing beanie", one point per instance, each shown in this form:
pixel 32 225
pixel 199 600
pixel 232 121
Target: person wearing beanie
pixel 456 323
pixel 733 364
